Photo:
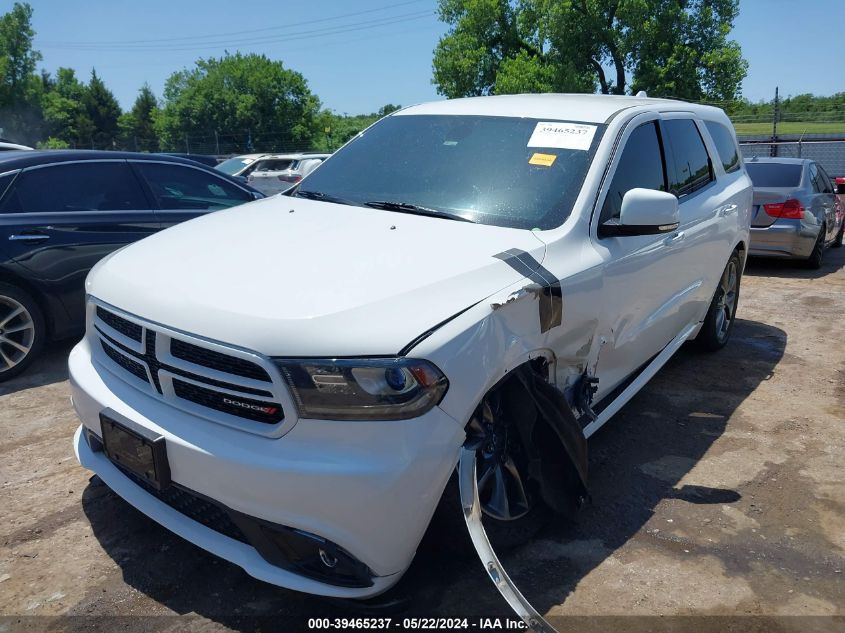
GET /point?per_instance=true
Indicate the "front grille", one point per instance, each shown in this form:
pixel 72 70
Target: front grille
pixel 258 410
pixel 193 506
pixel 133 367
pixel 124 326
pixel 189 376
pixel 215 360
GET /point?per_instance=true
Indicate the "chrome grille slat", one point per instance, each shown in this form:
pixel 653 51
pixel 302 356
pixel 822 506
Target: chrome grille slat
pixel 212 380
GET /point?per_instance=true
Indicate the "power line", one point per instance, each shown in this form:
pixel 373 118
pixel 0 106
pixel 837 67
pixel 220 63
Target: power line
pixel 185 39
pixel 299 35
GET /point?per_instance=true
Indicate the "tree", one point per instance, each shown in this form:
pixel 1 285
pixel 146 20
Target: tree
pixel 103 111
pixel 256 100
pixel 668 47
pixel 20 87
pixel 137 127
pixel 65 116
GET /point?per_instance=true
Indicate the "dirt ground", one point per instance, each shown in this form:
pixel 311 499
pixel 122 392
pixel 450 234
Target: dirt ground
pixel 718 491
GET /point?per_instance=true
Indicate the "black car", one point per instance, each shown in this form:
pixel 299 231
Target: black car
pixel 63 211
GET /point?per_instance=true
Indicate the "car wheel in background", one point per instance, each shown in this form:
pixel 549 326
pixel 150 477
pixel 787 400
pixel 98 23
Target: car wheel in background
pixel 22 330
pixel 838 241
pixel 814 261
pixel 718 324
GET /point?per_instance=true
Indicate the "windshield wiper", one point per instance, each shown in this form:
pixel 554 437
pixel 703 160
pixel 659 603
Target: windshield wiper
pixel 407 207
pixel 319 195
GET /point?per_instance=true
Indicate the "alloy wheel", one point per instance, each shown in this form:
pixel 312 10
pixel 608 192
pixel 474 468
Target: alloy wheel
pixel 501 485
pixel 17 333
pixel 726 304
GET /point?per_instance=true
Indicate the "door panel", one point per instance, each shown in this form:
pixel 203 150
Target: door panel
pixel 645 280
pixel 57 221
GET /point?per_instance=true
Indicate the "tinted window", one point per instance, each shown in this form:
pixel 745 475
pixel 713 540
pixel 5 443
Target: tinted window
pixel 5 181
pixel 725 145
pixel 478 167
pixel 774 174
pixel 234 165
pixel 825 180
pixel 86 186
pixel 815 180
pixel 641 165
pixel 273 165
pixel 689 157
pixel 178 187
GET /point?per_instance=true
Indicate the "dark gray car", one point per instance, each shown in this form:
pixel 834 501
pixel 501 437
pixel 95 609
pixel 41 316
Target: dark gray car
pixel 796 211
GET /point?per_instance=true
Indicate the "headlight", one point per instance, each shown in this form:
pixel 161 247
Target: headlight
pixel 363 388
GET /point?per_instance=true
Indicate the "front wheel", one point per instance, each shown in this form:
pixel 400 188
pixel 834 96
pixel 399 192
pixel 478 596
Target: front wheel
pixel 838 241
pixel 718 324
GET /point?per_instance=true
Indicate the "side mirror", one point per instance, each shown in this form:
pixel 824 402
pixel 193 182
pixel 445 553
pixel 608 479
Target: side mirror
pixel 644 212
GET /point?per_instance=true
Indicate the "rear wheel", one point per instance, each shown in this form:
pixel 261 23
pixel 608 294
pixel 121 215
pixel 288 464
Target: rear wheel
pixel 719 322
pixel 21 330
pixel 814 261
pixel 838 241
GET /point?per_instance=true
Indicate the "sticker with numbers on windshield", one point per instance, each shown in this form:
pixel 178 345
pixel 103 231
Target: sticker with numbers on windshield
pixel 562 135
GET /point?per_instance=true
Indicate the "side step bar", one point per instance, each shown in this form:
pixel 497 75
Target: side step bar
pixel 472 515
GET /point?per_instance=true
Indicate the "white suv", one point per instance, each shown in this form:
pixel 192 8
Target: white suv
pixel 289 384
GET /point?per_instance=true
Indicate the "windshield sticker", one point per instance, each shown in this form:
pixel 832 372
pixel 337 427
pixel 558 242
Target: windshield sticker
pixel 544 160
pixel 562 135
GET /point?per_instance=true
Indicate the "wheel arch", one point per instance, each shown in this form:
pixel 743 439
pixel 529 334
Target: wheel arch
pixel 13 279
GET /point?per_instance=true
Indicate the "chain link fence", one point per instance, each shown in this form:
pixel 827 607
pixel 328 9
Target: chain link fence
pixel 828 150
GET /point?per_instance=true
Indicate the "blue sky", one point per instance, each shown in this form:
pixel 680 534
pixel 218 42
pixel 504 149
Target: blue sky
pixel 374 55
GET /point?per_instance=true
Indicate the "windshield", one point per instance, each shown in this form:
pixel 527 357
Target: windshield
pixel 505 171
pixel 234 165
pixel 774 174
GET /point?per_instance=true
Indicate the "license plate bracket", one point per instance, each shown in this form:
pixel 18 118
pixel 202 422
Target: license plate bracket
pixel 135 449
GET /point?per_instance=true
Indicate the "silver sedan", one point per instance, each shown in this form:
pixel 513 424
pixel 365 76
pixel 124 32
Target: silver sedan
pixel 796 211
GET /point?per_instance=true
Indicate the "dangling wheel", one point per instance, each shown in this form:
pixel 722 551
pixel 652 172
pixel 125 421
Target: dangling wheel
pixel 513 511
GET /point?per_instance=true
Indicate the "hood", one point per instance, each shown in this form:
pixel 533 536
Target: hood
pixel 292 277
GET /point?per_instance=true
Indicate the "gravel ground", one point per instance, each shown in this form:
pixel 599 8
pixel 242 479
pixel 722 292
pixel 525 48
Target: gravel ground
pixel 718 491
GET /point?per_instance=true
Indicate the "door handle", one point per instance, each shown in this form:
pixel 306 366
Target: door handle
pixel 674 239
pixel 29 237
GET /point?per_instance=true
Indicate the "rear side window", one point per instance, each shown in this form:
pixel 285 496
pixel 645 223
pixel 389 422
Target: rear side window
pixel 86 186
pixel 177 187
pixel 815 179
pixel 691 167
pixel 774 174
pixel 640 165
pixel 273 165
pixel 825 181
pixel 725 145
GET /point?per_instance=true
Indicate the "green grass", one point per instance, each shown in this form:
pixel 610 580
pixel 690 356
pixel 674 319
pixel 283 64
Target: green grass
pixel 790 127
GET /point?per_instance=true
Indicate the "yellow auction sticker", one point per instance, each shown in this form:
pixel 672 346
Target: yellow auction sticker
pixel 545 160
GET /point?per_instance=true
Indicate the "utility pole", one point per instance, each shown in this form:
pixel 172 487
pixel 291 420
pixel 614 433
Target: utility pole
pixel 187 145
pixel 216 143
pixel 775 116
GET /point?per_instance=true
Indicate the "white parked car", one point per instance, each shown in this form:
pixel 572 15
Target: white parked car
pixel 289 384
pixel 279 172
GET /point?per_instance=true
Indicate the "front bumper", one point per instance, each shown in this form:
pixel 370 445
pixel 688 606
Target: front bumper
pixel 783 238
pixel 369 487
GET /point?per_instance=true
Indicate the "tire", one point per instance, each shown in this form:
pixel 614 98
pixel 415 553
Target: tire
pixel 450 529
pixel 718 324
pixel 814 261
pixel 838 241
pixel 502 464
pixel 22 331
